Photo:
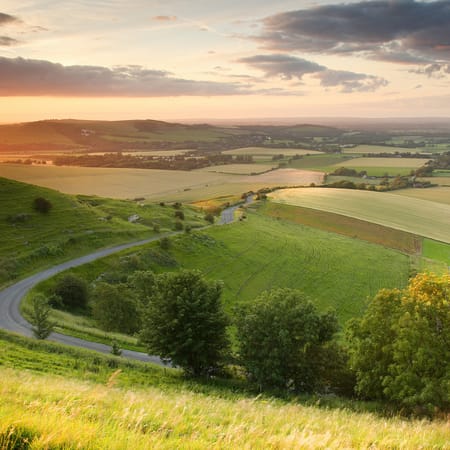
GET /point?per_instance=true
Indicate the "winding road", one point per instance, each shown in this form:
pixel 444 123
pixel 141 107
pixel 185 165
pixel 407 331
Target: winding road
pixel 10 298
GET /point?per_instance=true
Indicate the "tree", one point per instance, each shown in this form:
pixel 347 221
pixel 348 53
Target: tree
pixel 42 205
pixel 184 322
pixel 73 291
pixel 40 313
pixel 400 348
pixel 209 218
pixel 115 308
pixel 282 340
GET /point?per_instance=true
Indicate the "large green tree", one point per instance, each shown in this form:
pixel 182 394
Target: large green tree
pixel 72 291
pixel 40 317
pixel 184 322
pixel 400 348
pixel 283 340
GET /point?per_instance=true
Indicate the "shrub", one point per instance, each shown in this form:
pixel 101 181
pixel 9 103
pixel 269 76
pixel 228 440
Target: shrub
pixel 179 214
pixel 165 243
pixel 178 225
pixel 42 326
pixel 209 218
pixel 73 291
pixel 42 205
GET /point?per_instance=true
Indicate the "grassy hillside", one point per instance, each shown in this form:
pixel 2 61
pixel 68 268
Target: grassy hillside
pixel 55 397
pixel 421 217
pixel 75 225
pixel 263 253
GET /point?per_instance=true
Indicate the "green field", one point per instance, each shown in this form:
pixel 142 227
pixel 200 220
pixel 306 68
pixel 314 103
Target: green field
pixel 324 163
pixel 74 226
pixel 421 217
pixel 58 397
pixel 381 166
pixel 263 253
pixel 438 251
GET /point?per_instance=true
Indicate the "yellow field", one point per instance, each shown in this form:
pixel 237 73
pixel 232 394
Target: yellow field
pixel 155 185
pixel 412 163
pixel 361 149
pixel 441 181
pixel 239 169
pixel 438 194
pixel 149 153
pixel 425 218
pixel 261 151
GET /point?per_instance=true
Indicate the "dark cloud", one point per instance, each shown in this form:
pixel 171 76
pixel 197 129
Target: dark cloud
pixel 165 18
pixel 6 18
pixel 284 66
pixel 350 81
pixel 291 67
pixel 30 77
pixel 404 31
pixel 436 70
pixel 7 41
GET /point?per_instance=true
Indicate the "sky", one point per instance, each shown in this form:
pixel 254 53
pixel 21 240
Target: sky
pixel 223 59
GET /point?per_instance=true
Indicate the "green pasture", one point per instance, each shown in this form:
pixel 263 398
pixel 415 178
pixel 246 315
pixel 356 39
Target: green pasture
pixel 263 151
pixel 421 217
pixel 438 251
pixel 368 149
pixel 323 163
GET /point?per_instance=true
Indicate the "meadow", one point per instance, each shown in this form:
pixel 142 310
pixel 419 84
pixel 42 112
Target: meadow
pixel 269 152
pixel 383 166
pixel 57 397
pixel 421 217
pixel 368 149
pixel 75 225
pixel 239 169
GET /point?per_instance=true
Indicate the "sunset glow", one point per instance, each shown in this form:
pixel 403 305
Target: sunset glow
pixel 186 60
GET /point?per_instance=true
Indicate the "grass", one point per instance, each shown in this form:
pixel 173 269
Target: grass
pixel 74 226
pixel 324 163
pixel 55 397
pixel 438 251
pixel 421 217
pixel 440 194
pixel 383 166
pixel 264 253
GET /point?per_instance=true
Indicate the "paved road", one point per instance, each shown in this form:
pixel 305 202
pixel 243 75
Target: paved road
pixel 11 319
pixel 227 215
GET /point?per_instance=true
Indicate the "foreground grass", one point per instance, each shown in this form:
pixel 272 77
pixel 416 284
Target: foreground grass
pixel 70 398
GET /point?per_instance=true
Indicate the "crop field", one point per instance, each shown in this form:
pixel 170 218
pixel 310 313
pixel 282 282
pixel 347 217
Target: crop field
pixel 440 194
pixel 156 185
pixel 438 251
pixel 58 397
pixel 421 217
pixel 367 149
pixel 32 133
pixel 147 153
pixel 262 151
pixel 324 163
pixel 239 169
pixel 263 253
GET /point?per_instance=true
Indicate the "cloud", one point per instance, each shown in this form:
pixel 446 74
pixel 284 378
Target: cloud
pixel 350 81
pixel 435 70
pixel 403 31
pixel 290 67
pixel 165 18
pixel 287 67
pixel 7 41
pixel 6 18
pixel 29 77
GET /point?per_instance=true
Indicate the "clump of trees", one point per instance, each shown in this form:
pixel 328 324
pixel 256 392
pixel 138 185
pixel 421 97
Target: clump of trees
pixel 70 292
pixel 400 349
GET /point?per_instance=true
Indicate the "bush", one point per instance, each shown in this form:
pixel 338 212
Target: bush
pixel 115 308
pixel 184 322
pixel 165 243
pixel 209 218
pixel 42 205
pixel 400 349
pixel 42 326
pixel 178 225
pixel 179 214
pixel 283 341
pixel 73 291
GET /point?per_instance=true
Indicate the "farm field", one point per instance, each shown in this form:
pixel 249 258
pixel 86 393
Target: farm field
pixel 428 219
pixel 96 401
pixel 262 151
pixel 382 166
pixel 239 169
pixel 157 185
pixel 323 163
pixel 367 149
pixel 438 251
pixel 440 194
pixel 263 253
